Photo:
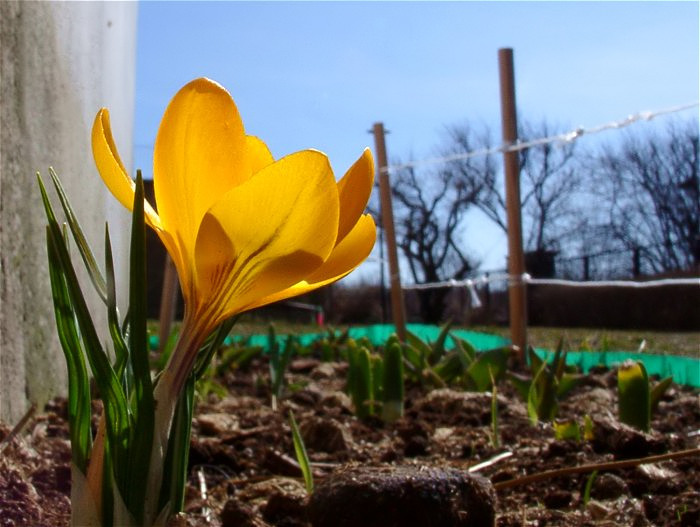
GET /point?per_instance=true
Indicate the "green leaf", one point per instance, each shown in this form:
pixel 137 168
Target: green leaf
pixel 451 366
pixel 535 361
pixel 658 391
pixel 79 407
pixel 549 383
pixel 352 351
pixel 236 357
pixel 115 404
pixel 495 434
pixel 567 429
pixel 588 432
pixel 301 454
pixel 534 396
pixel 121 350
pixel 143 405
pixel 83 246
pixel 172 492
pixel 587 489
pixel 465 348
pixel 414 358
pixel 520 383
pixel 377 365
pixel 487 365
pixel 393 386
pixel 634 398
pixel 213 343
pixel 568 382
pixel 438 348
pixel 278 365
pixel 361 394
pixel 419 345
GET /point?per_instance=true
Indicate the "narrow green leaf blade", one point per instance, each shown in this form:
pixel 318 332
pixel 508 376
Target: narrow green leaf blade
pixel 172 491
pixel 658 391
pixel 86 253
pixel 301 454
pixel 79 407
pixel 115 405
pixel 120 348
pixel 143 405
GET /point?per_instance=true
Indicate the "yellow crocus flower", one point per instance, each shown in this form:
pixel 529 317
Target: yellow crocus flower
pixel 243 229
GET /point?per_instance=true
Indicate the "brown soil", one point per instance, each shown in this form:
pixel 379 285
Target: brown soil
pixel 243 471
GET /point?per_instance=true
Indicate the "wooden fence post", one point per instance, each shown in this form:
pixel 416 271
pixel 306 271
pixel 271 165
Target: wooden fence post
pixel 516 261
pixel 398 310
pixel 168 302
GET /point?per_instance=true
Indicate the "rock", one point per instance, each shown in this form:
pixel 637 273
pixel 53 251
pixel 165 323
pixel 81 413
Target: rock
pixel 623 441
pixel 470 408
pixel 557 499
pixel 210 451
pixel 655 479
pixel 179 520
pixel 608 487
pixel 415 446
pixel 284 510
pixel 403 496
pixel 326 370
pixel 690 517
pixel 216 424
pixel 303 365
pixel 597 510
pixel 326 435
pixel 337 399
pixel 236 514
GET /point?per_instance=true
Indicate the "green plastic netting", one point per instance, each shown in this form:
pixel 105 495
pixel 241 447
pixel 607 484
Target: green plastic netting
pixel 684 370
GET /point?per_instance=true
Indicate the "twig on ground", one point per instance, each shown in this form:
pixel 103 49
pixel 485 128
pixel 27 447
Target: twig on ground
pixel 611 465
pixel 18 428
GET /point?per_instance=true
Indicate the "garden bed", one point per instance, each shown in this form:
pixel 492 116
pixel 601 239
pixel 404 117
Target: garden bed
pixel 243 471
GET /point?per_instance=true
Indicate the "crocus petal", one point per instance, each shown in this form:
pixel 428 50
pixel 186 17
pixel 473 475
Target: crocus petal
pixel 113 173
pixel 258 153
pixel 354 190
pixel 111 168
pixel 345 258
pixel 200 154
pixel 267 234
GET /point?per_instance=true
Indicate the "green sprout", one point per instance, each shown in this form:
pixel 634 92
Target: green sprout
pixel 549 384
pixel 637 397
pixel 279 360
pixel 301 454
pixel 393 382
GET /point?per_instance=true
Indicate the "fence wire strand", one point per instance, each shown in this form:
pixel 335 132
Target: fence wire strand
pixel 567 137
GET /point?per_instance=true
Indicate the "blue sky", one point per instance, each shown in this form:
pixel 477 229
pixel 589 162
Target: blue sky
pixel 319 74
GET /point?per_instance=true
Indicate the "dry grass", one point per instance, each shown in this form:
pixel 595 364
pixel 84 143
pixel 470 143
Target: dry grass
pixel 589 339
pixel 585 339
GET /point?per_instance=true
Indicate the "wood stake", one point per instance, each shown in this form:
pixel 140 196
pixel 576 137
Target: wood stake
pixel 516 260
pixel 168 302
pixel 398 311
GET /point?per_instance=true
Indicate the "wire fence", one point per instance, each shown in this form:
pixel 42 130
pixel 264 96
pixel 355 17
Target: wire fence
pixel 563 138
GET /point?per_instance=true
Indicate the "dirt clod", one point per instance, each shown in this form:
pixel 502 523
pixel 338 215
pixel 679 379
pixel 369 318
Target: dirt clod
pixel 403 496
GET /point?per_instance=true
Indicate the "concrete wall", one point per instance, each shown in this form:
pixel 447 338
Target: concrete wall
pixel 61 62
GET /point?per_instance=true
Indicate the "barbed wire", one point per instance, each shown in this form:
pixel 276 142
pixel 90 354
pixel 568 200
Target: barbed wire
pixel 563 138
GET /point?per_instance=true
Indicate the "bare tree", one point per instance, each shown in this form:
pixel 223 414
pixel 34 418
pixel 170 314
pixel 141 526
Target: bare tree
pixel 428 212
pixel 652 187
pixel 549 181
